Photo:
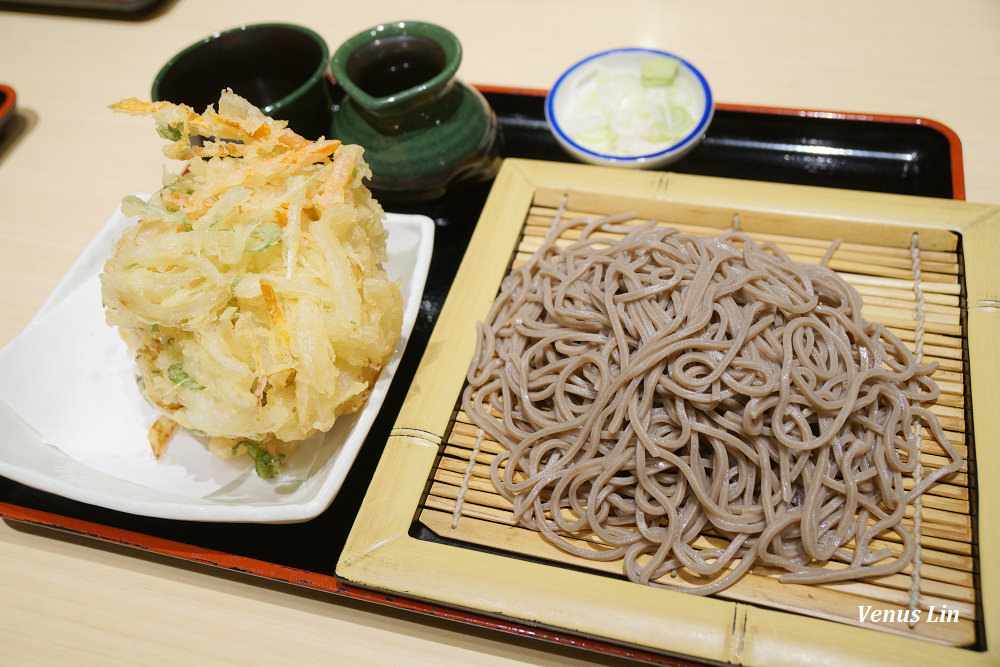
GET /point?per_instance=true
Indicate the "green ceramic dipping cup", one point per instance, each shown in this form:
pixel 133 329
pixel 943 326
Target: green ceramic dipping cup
pixel 279 67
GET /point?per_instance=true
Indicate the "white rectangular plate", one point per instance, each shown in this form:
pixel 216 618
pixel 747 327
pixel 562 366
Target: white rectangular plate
pixel 74 423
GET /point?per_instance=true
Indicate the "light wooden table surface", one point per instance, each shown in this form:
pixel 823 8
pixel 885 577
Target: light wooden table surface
pixel 67 600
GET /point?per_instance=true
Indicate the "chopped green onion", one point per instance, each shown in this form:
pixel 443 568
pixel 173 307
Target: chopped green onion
pixel 266 235
pixel 170 132
pixel 133 206
pixel 631 113
pixel 179 185
pixel 178 375
pixel 265 463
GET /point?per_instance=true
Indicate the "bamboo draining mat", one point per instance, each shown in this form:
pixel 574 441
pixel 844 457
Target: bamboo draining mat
pixel 758 621
pixel 885 278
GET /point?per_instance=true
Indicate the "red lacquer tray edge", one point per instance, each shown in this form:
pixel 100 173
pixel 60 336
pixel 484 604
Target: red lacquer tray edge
pixel 315 581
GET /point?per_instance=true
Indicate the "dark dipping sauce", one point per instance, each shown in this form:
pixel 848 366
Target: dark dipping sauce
pixel 263 66
pixel 390 65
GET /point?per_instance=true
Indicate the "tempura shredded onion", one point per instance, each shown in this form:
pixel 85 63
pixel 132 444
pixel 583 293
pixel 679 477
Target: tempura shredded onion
pixel 251 289
pixel 694 406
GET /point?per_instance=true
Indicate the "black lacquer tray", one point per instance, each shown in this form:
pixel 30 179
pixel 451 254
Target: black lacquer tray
pixel 894 154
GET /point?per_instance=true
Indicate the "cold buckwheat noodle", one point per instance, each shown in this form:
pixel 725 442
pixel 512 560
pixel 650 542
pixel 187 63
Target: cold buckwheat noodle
pixel 695 406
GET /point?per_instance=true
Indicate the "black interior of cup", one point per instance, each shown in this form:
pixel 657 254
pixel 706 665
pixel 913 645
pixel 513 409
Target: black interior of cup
pixel 262 64
pixel 392 64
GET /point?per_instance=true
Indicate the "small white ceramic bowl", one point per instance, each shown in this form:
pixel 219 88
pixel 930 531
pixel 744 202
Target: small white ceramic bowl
pixel 570 105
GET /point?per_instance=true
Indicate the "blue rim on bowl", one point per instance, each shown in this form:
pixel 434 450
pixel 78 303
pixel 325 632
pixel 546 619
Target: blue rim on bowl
pixel 680 147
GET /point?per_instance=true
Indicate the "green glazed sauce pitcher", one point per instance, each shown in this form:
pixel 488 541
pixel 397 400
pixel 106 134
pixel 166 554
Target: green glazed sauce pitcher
pixel 423 131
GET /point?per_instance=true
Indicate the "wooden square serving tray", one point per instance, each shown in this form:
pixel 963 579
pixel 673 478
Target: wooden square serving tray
pixel 432 527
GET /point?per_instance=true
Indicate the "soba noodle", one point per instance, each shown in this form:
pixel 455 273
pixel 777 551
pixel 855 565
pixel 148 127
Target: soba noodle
pixel 695 406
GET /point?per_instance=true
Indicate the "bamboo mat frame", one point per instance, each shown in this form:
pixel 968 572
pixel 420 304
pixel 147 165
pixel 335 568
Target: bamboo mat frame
pixel 741 628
